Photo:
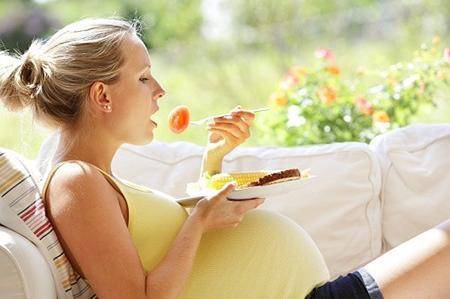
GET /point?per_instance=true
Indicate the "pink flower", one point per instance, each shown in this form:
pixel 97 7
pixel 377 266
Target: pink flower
pixel 289 81
pixel 447 54
pixel 324 54
pixel 297 72
pixel 364 106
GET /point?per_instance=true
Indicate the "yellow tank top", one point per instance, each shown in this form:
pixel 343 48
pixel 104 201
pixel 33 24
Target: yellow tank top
pixel 266 256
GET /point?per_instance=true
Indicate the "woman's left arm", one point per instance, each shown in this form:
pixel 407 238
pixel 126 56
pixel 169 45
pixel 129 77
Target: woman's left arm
pixel 225 133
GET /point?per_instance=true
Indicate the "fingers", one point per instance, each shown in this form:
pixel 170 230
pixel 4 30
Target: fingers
pixel 227 135
pixel 232 129
pixel 249 204
pixel 238 114
pixel 241 207
pixel 235 121
pixel 246 115
pixel 224 191
pixel 235 125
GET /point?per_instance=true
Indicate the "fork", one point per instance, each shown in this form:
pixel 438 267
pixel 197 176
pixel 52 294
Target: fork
pixel 209 118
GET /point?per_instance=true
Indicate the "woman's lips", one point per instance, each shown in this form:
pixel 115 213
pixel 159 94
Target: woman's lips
pixel 154 123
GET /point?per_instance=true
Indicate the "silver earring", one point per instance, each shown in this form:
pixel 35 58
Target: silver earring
pixel 107 107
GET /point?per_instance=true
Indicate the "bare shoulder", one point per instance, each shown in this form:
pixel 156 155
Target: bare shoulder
pixel 80 177
pixel 86 214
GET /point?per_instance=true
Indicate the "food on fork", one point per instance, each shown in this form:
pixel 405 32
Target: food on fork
pixel 179 119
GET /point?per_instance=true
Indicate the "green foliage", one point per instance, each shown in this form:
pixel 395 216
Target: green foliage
pixel 165 21
pixel 319 105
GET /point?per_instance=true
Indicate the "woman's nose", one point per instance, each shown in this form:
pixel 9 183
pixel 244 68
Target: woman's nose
pixel 160 92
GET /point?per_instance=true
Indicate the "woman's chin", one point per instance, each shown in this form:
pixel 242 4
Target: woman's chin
pixel 147 140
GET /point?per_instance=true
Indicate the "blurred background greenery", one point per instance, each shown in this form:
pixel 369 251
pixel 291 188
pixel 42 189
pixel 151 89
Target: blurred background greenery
pixel 212 55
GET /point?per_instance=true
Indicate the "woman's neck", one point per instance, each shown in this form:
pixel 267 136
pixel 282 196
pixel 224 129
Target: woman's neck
pixel 91 148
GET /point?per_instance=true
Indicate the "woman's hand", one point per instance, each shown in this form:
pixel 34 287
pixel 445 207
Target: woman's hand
pixel 219 212
pixel 225 133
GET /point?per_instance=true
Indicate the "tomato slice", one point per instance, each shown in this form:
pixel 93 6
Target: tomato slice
pixel 179 119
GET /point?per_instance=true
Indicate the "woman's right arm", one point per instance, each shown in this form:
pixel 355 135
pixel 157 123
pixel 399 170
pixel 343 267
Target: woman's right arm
pixel 86 215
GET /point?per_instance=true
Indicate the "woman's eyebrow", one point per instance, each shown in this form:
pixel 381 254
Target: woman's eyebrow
pixel 146 66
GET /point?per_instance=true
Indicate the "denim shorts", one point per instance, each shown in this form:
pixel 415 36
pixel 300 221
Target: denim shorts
pixel 356 285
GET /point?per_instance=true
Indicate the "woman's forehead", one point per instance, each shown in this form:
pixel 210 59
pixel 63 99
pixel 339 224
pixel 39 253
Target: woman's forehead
pixel 135 53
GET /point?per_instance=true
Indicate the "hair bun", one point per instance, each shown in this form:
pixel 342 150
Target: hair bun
pixel 33 71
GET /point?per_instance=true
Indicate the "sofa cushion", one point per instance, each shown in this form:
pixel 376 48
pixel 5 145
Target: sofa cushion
pixel 415 162
pixel 25 273
pixel 339 208
pixel 22 211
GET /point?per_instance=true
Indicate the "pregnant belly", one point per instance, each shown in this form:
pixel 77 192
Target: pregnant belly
pixel 266 256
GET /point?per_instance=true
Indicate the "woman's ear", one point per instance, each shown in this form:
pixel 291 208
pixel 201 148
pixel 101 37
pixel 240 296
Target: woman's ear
pixel 99 98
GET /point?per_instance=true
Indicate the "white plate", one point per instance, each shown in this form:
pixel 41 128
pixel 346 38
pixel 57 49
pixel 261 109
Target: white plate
pixel 251 192
pixel 269 190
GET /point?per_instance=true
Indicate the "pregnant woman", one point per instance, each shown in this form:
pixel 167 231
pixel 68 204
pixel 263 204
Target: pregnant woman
pixel 92 80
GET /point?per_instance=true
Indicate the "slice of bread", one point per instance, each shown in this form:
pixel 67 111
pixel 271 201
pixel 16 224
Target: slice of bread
pixel 277 177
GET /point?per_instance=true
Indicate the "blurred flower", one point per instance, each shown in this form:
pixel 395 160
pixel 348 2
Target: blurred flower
pixel 327 95
pixel 307 102
pixel 381 127
pixel 278 99
pixel 447 54
pixel 288 82
pixel 409 81
pixel 324 54
pixel 347 118
pixel 334 70
pixel 364 106
pixel 376 89
pixel 422 87
pixel 436 40
pixel 381 116
pixel 440 75
pixel 302 92
pixel 391 80
pixel 297 72
pixel 361 71
pixel 294 117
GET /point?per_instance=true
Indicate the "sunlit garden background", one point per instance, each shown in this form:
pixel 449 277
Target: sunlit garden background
pixel 330 70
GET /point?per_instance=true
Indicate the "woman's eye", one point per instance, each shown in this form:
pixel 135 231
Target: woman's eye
pixel 143 79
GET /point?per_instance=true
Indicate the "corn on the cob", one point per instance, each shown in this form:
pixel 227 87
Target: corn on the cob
pixel 241 179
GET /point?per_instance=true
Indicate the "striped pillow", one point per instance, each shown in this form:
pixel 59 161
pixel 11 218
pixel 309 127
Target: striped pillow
pixel 22 210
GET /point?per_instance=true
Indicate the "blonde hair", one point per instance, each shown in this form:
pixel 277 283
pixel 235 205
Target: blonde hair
pixel 53 77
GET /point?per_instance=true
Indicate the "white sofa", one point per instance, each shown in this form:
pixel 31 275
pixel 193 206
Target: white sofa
pixel 364 200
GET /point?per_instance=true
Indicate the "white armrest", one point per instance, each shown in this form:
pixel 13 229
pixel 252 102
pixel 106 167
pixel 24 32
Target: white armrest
pixel 24 271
